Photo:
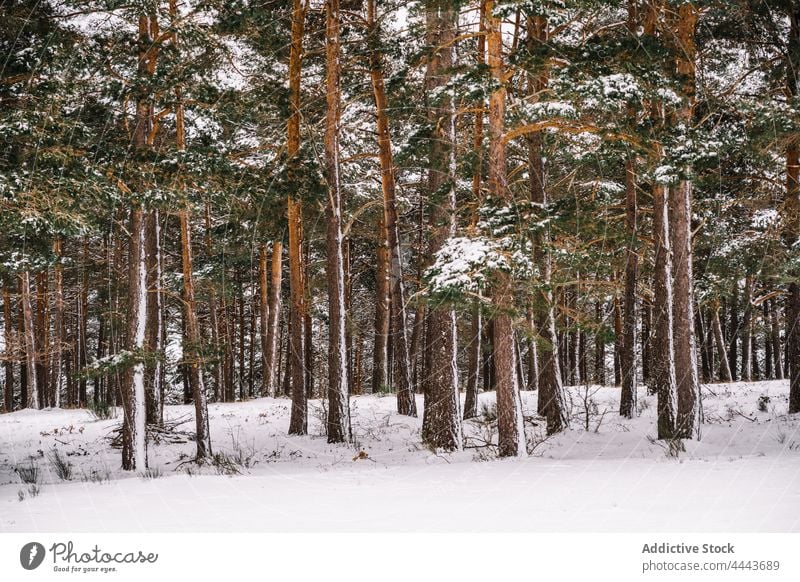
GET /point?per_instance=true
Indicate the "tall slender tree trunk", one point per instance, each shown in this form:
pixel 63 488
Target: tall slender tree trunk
pixel 58 326
pixel 271 354
pixel 193 350
pixel 406 404
pixel 663 364
pixel 511 429
pixel 551 403
pixel 298 421
pixel 441 424
pixel 775 339
pixel 627 404
pixel 153 345
pixel 8 340
pixel 380 355
pixel 34 398
pixel 724 367
pixel 790 219
pixel 746 330
pixel 338 418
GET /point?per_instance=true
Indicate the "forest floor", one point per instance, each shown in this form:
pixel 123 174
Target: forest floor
pixel 742 475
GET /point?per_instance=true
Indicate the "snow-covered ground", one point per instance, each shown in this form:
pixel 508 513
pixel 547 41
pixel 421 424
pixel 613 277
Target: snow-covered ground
pixel 743 475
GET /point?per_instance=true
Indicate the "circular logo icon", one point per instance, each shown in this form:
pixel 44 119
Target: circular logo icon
pixel 31 555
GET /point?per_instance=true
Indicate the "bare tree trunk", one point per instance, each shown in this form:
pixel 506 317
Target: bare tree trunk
pixel 193 350
pixel 724 367
pixel 441 424
pixel 154 323
pixel 298 422
pixel 8 340
pixel 474 364
pixel 511 429
pixel 34 399
pixel 775 339
pixel 274 310
pixel 380 377
pixel 627 404
pixel 688 384
pixel 338 418
pixel 790 219
pixel 663 364
pixel 746 330
pixel 58 326
pixel 406 404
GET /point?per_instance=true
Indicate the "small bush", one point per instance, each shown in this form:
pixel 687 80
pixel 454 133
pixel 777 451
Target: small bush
pixel 61 466
pixel 488 412
pixel 96 476
pixel 28 474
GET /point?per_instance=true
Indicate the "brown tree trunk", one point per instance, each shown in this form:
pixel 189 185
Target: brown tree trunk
pixel 8 340
pixel 380 355
pixel 298 422
pixel 790 219
pixel 193 350
pixel 663 364
pixel 627 404
pixel 58 326
pixel 511 429
pixel 775 339
pixel 406 404
pixel 441 424
pixel 746 330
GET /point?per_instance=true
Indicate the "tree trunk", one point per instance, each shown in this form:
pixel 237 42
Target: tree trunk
pixel 790 219
pixel 380 377
pixel 58 326
pixel 724 367
pixel 134 453
pixel 8 340
pixel 34 398
pixel 153 389
pixel 663 364
pixel 474 364
pixel 338 418
pixel 775 339
pixel 298 422
pixel 688 385
pixel 511 429
pixel 746 330
pixel 627 404
pixel 406 404
pixel 441 425
pixel 271 354
pixel 193 350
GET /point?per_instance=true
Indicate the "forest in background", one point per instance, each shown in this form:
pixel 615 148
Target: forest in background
pixel 220 200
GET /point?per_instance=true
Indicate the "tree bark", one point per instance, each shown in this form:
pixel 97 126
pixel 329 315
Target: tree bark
pixel 511 429
pixel 441 424
pixel 663 364
pixel 298 422
pixel 724 367
pixel 338 418
pixel 406 403
pixel 628 396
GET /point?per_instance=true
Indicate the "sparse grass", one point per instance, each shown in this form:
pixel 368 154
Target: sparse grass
pixel 28 474
pixel 101 410
pixel 151 473
pixel 61 466
pixel 96 476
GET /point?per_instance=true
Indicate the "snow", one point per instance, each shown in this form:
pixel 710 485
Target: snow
pixel 743 476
